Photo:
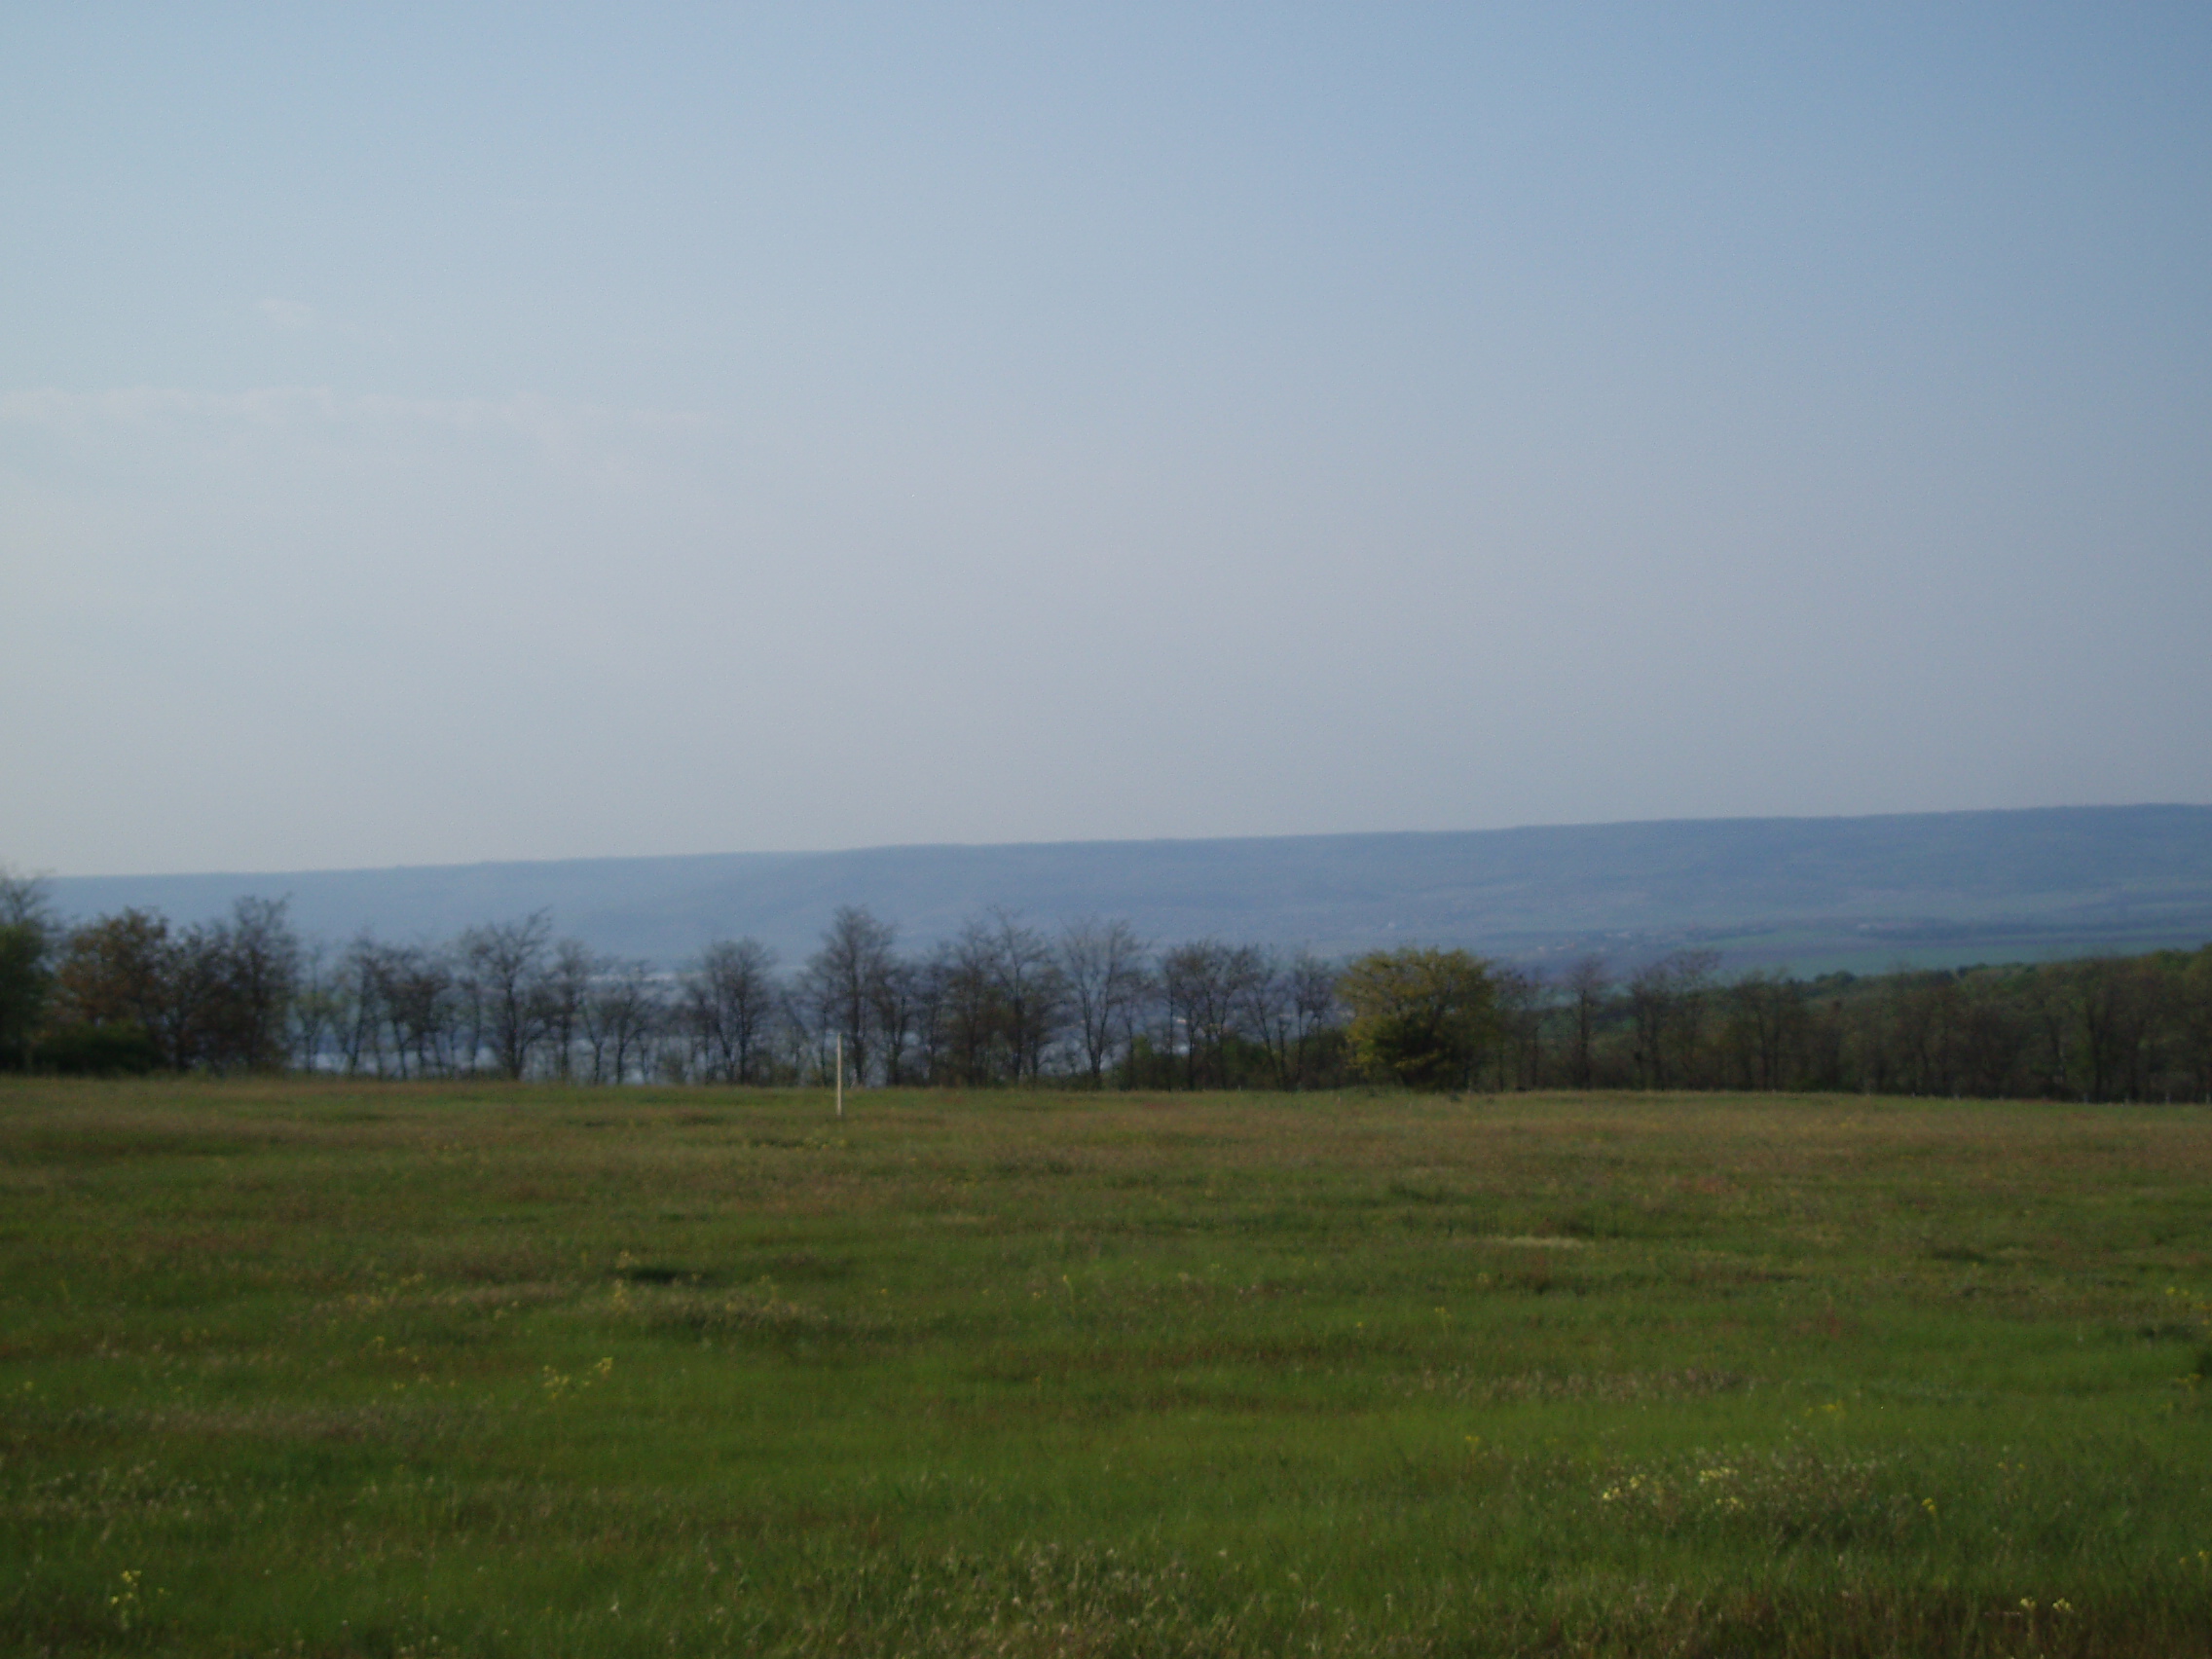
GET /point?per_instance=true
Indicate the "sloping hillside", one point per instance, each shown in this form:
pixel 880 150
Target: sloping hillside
pixel 1812 892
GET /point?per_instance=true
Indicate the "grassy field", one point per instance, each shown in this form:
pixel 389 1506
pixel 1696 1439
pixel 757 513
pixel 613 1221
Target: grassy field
pixel 308 1369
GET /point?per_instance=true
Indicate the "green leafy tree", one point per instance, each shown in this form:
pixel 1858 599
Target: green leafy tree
pixel 1422 1017
pixel 27 936
pixel 2192 1005
pixel 122 969
pixel 216 995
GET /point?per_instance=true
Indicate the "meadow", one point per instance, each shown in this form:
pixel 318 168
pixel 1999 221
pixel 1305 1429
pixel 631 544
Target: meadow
pixel 309 1368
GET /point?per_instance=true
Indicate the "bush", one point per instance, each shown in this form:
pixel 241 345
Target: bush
pixel 24 979
pixel 122 1049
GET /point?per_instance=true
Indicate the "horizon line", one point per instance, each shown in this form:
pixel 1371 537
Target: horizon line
pixel 1123 842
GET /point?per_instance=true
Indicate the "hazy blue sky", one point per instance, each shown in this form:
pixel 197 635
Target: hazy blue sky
pixel 453 432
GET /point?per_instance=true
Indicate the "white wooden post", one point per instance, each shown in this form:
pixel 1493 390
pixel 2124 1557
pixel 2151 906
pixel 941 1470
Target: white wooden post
pixel 840 1074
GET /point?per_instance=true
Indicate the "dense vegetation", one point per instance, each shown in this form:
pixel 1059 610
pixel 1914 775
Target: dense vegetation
pixel 1004 1003
pixel 318 1366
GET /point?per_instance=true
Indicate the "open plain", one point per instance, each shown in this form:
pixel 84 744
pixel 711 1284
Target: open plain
pixel 304 1367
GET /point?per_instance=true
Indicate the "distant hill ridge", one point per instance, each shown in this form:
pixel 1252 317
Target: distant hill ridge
pixel 1814 892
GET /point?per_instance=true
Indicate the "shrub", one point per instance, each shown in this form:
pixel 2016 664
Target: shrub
pixel 96 1050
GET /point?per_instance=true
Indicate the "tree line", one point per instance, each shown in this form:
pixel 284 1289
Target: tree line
pixel 1089 1004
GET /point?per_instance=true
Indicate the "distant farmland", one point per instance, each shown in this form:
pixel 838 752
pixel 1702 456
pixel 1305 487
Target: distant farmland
pixel 297 1366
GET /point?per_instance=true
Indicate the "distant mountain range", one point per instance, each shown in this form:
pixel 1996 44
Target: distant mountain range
pixel 1813 893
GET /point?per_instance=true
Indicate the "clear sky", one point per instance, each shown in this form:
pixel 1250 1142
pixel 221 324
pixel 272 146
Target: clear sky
pixel 445 433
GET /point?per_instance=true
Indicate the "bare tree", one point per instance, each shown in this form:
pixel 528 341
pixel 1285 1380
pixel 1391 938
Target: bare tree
pixel 316 1007
pixel 1102 967
pixel 1667 999
pixel 1316 1009
pixel 262 974
pixel 799 1033
pixel 504 966
pixel 895 1007
pixel 621 1010
pixel 1147 1002
pixel 375 975
pixel 358 1016
pixel 1284 1006
pixel 731 997
pixel 1029 991
pixel 425 1009
pixel 1200 983
pixel 1522 999
pixel 1767 1009
pixel 842 979
pixel 926 1003
pixel 1586 988
pixel 1260 1002
pixel 567 982
pixel 970 1022
pixel 988 1004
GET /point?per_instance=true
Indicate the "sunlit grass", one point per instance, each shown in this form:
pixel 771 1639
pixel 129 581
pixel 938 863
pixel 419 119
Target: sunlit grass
pixel 304 1367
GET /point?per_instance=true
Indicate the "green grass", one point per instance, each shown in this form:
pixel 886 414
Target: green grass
pixel 298 1368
